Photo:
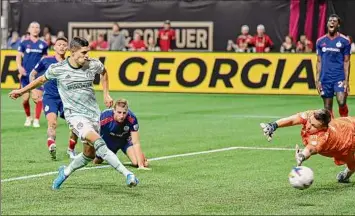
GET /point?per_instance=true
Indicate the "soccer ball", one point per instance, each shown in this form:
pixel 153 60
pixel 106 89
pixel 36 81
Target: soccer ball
pixel 301 177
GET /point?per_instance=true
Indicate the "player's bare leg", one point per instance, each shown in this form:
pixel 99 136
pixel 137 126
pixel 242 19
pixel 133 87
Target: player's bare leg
pixel 37 99
pixel 328 104
pixel 26 107
pixel 73 140
pixel 51 134
pixel 99 147
pixel 343 107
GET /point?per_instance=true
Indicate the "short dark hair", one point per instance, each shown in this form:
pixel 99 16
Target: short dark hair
pixel 78 42
pixel 336 16
pixel 324 116
pixel 61 39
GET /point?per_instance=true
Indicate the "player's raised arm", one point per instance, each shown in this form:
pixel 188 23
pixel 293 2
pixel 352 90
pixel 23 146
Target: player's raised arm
pixel 270 128
pixel 105 86
pixel 14 94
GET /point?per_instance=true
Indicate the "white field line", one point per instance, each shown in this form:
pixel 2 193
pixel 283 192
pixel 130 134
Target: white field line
pixel 155 159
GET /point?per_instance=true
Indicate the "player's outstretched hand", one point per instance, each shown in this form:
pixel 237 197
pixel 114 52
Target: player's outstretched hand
pixel 14 94
pixel 144 168
pixel 108 101
pixel 268 130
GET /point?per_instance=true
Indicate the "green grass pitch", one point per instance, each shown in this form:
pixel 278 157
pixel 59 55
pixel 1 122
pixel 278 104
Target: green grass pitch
pixel 237 181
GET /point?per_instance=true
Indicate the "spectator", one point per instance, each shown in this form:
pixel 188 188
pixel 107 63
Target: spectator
pixel 288 46
pixel 352 44
pixel 166 37
pixel 48 40
pixel 89 39
pixel 100 43
pixel 117 41
pixel 304 45
pixel 25 36
pixel 243 41
pixel 152 45
pixel 60 34
pixel 45 31
pixel 261 41
pixel 137 44
pixel 14 41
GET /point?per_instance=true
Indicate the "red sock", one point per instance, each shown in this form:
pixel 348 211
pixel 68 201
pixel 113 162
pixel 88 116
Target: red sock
pixel 38 109
pixel 50 142
pixel 26 107
pixel 72 144
pixel 344 111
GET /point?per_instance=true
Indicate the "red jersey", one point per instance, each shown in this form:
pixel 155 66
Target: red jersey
pixel 165 38
pixel 243 38
pixel 99 45
pixel 261 43
pixel 137 44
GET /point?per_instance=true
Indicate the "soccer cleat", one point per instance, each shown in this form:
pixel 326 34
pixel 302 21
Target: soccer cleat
pixel 28 122
pixel 131 180
pixel 36 123
pixel 60 179
pixel 343 177
pixel 71 154
pixel 53 151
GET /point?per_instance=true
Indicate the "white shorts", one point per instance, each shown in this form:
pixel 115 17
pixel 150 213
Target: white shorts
pixel 81 126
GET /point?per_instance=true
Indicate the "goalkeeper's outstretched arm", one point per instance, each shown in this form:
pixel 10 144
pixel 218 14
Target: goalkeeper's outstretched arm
pixel 270 128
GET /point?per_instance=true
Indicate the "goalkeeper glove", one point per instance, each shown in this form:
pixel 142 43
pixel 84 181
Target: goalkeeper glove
pixel 299 156
pixel 269 129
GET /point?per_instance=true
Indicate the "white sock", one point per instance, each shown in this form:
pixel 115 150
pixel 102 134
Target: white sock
pixel 79 161
pixel 106 154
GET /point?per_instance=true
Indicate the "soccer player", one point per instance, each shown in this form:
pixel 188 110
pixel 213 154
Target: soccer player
pixel 321 135
pixel 52 104
pixel 119 129
pixel 75 78
pixel 333 59
pixel 29 54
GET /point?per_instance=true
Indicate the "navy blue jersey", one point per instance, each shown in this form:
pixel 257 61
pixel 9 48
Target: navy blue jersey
pixel 32 53
pixel 50 87
pixel 115 133
pixel 332 52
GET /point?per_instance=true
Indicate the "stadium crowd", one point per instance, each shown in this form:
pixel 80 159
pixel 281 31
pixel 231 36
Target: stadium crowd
pixel 245 42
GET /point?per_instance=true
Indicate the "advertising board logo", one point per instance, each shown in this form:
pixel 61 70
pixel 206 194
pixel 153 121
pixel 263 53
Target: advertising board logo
pixel 193 36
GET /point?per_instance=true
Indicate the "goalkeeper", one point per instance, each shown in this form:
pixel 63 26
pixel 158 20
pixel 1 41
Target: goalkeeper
pixel 321 135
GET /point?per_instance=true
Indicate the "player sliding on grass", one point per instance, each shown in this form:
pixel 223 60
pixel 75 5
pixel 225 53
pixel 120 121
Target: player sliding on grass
pixel 322 135
pixel 119 129
pixel 75 78
pixel 333 60
pixel 52 104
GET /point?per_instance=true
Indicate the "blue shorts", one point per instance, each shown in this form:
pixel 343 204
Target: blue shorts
pixel 24 81
pixel 114 147
pixel 329 89
pixel 53 105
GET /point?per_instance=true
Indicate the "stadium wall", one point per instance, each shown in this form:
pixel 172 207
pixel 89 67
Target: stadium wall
pixel 189 72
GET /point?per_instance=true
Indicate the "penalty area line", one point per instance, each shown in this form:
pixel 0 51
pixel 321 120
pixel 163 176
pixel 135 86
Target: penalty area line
pixel 154 159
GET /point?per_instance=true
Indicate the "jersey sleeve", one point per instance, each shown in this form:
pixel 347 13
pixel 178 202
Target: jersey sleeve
pixel 50 73
pixel 40 67
pixel 318 48
pixel 22 47
pixel 98 66
pixel 133 126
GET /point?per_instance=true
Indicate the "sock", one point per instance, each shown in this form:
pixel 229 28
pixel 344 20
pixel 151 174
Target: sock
pixel 38 109
pixel 26 107
pixel 344 111
pixel 50 141
pixel 72 144
pixel 79 161
pixel 106 154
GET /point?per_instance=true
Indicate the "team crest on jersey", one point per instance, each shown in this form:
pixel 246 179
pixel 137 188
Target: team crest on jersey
pixel 28 50
pixel 126 128
pixel 41 46
pixel 313 139
pixel 135 127
pixel 80 125
pixel 46 108
pixel 338 44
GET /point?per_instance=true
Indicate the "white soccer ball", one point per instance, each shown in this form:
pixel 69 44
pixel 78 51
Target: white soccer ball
pixel 301 177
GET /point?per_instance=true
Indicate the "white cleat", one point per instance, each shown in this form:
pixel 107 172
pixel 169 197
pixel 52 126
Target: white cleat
pixel 53 151
pixel 28 122
pixel 71 154
pixel 36 123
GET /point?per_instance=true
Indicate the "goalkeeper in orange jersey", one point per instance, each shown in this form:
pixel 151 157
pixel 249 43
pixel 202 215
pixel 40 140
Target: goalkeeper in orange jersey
pixel 322 135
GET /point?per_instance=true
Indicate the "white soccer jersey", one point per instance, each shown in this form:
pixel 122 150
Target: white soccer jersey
pixel 75 86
